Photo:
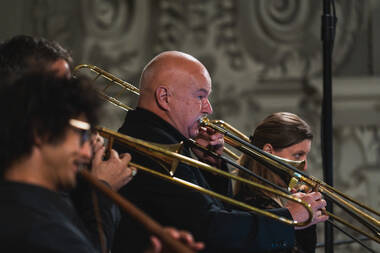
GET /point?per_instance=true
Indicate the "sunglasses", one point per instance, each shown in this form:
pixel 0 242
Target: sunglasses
pixel 83 128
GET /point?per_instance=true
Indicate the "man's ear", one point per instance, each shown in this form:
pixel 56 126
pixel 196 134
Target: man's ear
pixel 268 148
pixel 162 97
pixel 37 140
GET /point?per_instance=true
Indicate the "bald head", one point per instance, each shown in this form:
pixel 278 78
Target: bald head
pixel 165 68
pixel 172 77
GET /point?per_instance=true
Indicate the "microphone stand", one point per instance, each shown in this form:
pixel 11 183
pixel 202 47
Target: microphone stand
pixel 327 34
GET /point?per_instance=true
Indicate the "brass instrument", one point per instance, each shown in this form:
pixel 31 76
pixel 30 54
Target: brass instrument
pixel 279 164
pixel 112 80
pixel 129 87
pixel 296 175
pixel 224 125
pixel 165 156
pixel 170 159
pixel 125 86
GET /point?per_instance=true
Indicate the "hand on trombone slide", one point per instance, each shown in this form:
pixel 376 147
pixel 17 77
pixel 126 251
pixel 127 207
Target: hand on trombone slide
pixel 181 235
pixel 317 204
pixel 212 140
pixel 114 170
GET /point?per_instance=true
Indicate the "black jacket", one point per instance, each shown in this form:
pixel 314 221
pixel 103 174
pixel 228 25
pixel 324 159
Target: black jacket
pixel 82 198
pixel 221 229
pixel 35 219
pixel 306 239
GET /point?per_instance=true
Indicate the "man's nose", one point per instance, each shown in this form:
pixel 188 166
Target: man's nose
pixel 207 108
pixel 86 150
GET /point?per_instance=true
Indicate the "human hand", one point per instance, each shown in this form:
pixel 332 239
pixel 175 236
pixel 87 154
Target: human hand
pixel 300 214
pixel 115 170
pixel 97 142
pixel 181 235
pixel 301 188
pixel 212 140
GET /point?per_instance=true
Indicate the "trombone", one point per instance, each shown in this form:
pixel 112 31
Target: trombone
pixel 112 80
pixel 169 158
pixel 240 142
pixel 279 165
pixel 129 87
pixel 125 86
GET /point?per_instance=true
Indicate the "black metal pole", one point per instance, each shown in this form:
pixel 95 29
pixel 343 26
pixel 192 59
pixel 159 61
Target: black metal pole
pixel 328 30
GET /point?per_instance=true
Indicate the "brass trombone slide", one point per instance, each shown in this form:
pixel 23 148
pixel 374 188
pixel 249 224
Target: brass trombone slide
pixel 112 80
pixel 278 165
pixel 194 145
pixel 163 154
pixel 281 167
pixel 125 86
pixel 272 162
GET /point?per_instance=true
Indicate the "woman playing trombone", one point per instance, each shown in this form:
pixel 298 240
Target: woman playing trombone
pixel 285 135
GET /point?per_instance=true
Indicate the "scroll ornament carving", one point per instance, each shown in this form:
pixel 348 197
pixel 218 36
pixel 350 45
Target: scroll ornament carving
pixel 288 32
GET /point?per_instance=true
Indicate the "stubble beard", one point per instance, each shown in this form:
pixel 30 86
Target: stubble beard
pixel 194 130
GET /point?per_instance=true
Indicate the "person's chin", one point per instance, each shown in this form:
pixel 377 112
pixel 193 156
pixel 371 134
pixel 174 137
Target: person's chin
pixel 194 130
pixel 194 133
pixel 69 184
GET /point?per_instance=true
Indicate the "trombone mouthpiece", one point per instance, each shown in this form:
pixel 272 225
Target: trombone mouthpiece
pixel 204 121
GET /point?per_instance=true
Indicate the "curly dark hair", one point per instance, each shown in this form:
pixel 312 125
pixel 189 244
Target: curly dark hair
pixel 40 105
pixel 24 53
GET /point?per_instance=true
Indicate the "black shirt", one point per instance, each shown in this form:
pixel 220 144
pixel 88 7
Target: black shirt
pixel 82 198
pixel 35 219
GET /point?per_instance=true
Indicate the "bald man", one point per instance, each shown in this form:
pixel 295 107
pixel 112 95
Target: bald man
pixel 175 88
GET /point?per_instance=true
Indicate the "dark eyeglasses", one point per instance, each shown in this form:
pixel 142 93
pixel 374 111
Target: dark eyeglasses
pixel 83 128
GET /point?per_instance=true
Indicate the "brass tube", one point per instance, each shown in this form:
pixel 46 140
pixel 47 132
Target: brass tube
pixel 159 152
